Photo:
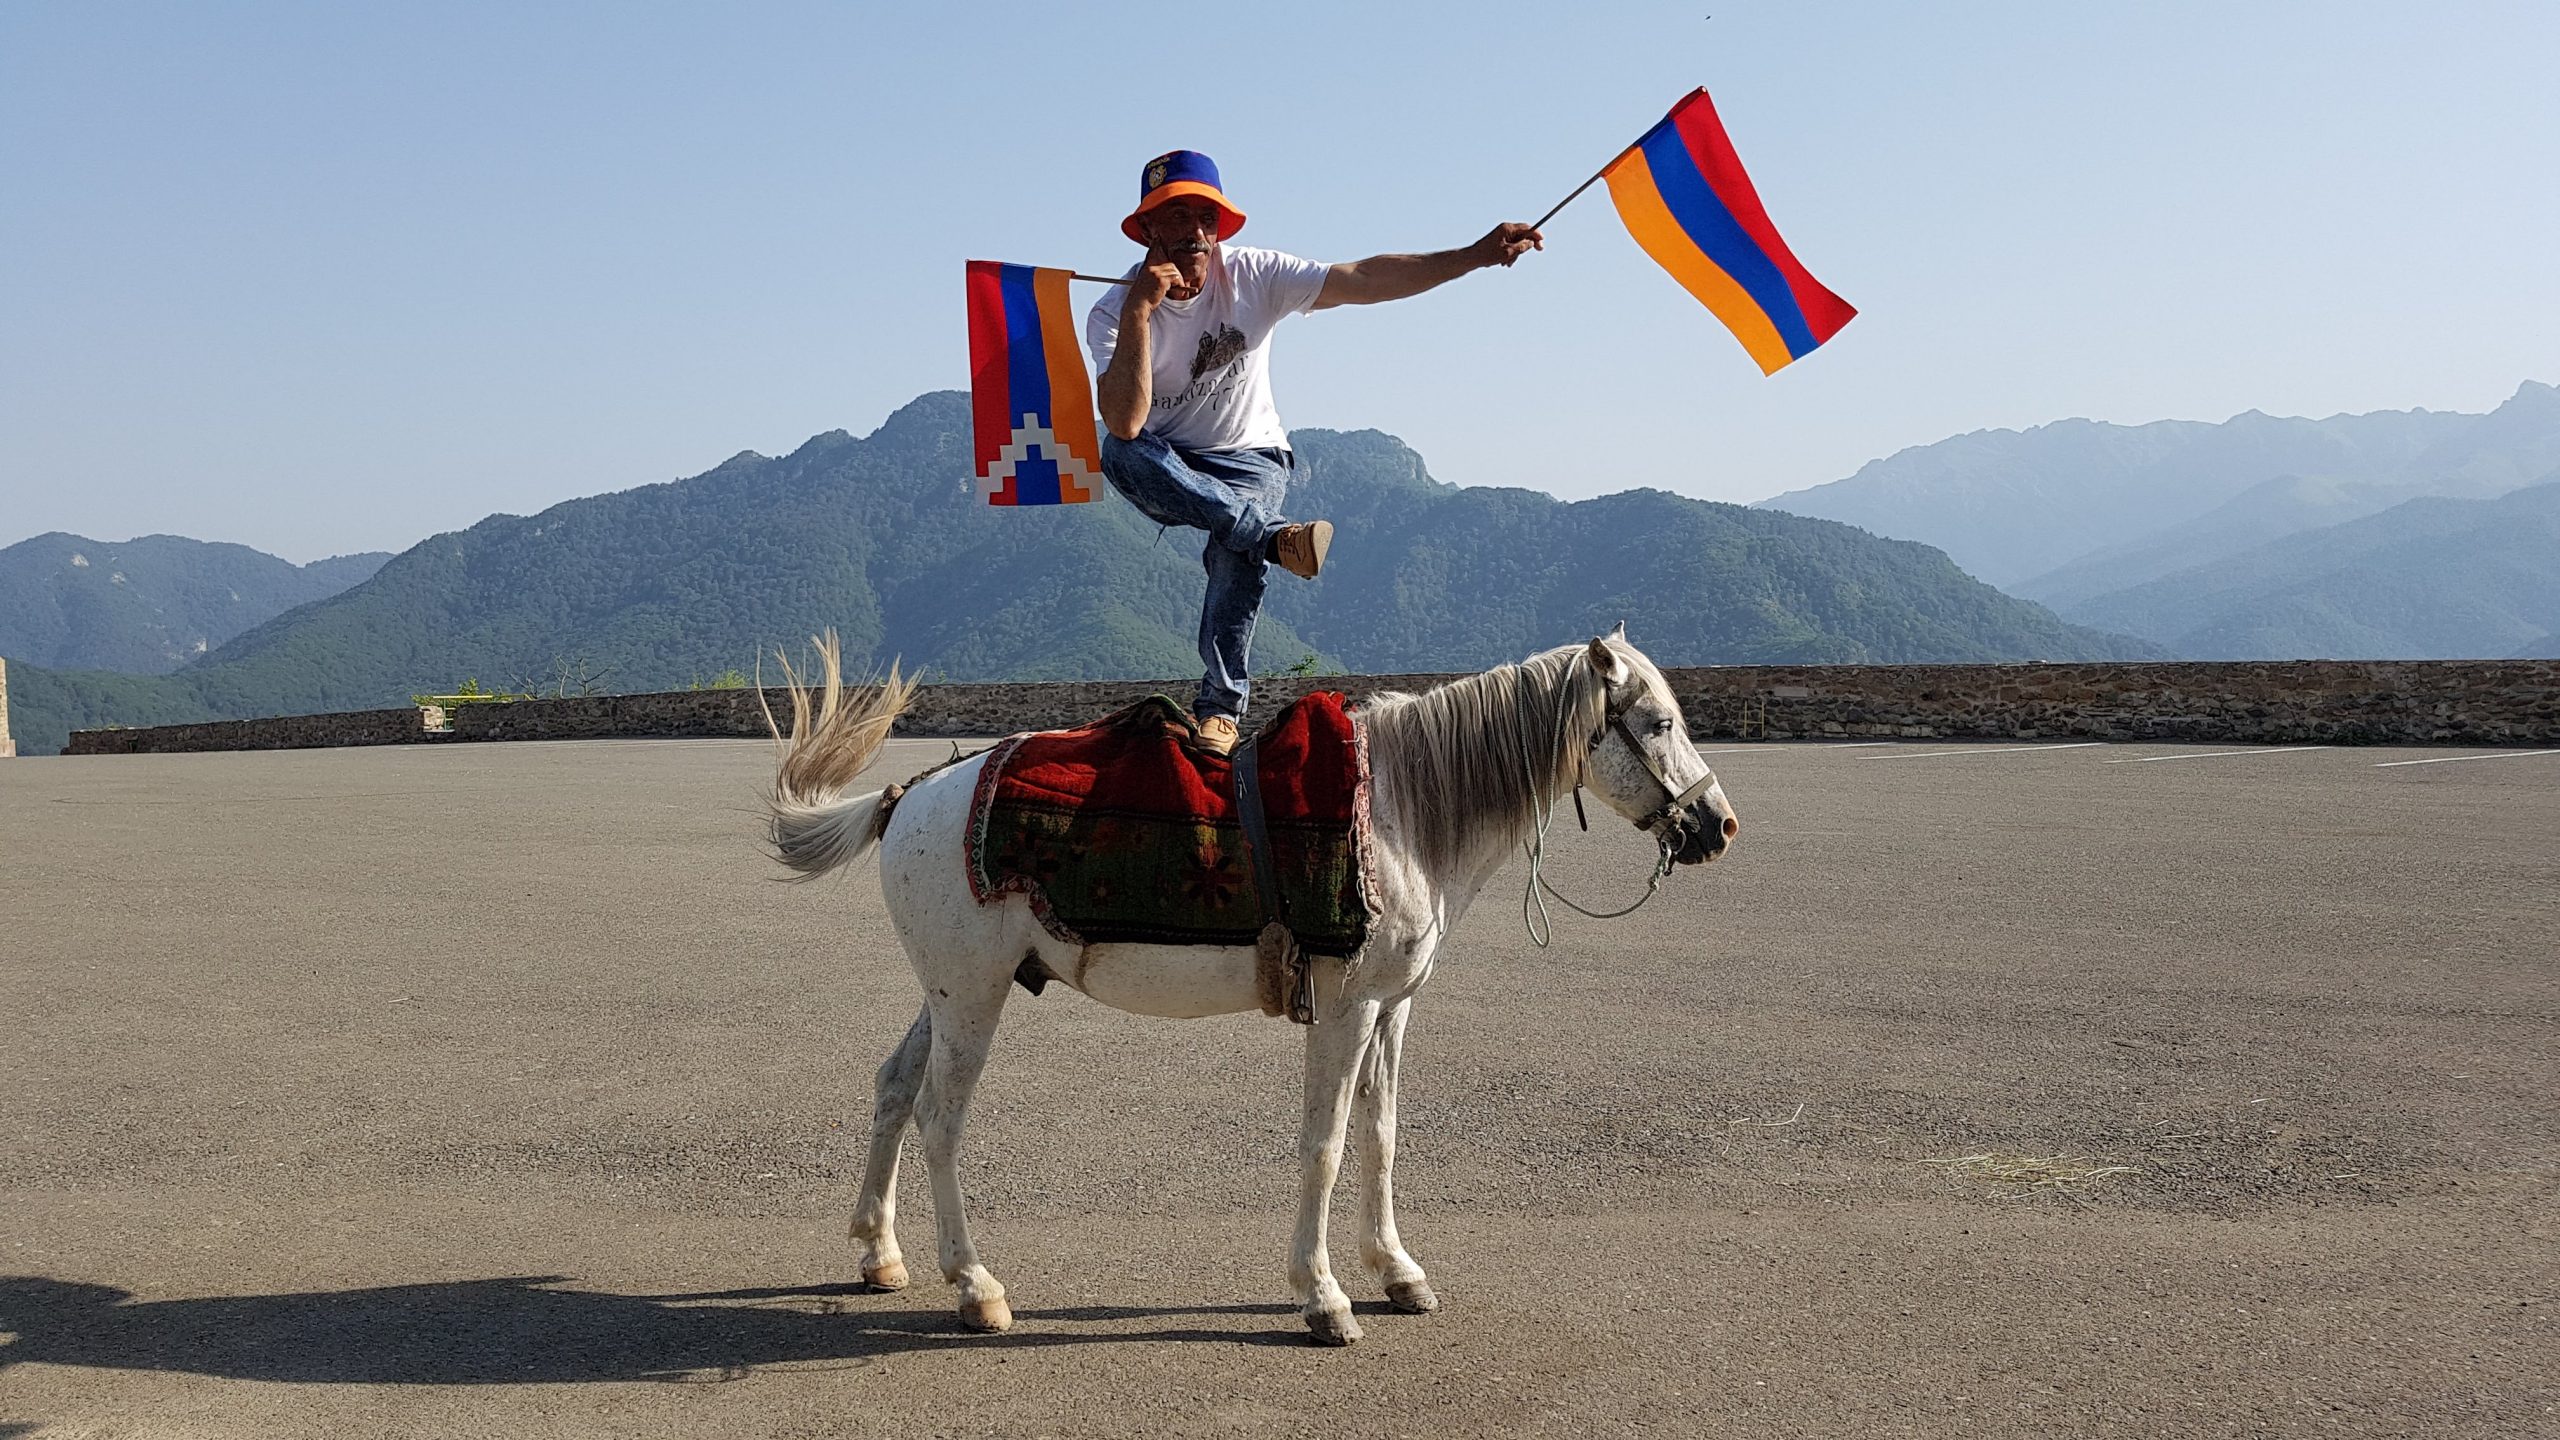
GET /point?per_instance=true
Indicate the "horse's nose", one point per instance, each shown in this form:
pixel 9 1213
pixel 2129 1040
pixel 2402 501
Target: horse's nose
pixel 1711 816
pixel 1709 833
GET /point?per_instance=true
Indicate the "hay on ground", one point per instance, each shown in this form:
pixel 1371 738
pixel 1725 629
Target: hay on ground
pixel 2027 1173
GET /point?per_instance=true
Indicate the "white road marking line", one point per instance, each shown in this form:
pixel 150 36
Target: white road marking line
pixel 1985 750
pixel 1780 747
pixel 2218 754
pixel 2449 759
pixel 1785 745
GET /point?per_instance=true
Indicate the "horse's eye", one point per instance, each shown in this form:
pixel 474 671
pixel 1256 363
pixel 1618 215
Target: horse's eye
pixel 1664 728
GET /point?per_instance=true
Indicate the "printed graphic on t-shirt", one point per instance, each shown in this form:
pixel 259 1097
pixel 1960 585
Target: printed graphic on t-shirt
pixel 1219 349
pixel 1217 368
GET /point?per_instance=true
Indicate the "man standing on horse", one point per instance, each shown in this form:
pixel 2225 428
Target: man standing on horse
pixel 1185 394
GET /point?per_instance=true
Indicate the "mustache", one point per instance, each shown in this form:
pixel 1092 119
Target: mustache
pixel 1187 247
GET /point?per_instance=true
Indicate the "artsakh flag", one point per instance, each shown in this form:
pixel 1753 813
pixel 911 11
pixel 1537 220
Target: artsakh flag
pixel 1686 200
pixel 1029 396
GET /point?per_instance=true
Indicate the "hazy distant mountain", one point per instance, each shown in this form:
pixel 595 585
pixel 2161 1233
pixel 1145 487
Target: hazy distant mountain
pixel 2499 452
pixel 882 538
pixel 2077 508
pixel 2270 510
pixel 152 604
pixel 2427 579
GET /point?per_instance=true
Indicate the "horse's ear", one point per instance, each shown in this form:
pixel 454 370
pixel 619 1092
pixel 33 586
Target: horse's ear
pixel 1620 633
pixel 1604 661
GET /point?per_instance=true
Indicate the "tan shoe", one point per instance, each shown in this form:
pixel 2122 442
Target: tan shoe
pixel 1217 734
pixel 1300 548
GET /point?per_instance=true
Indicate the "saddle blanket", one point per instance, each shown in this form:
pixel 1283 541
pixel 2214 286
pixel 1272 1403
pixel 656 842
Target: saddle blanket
pixel 1119 832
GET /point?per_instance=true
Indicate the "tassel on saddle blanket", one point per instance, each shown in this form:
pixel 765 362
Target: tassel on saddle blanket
pixel 1119 832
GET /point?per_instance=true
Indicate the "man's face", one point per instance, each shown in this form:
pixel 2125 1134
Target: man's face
pixel 1183 230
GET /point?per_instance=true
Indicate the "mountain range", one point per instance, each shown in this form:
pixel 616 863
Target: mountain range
pixel 149 605
pixel 2197 536
pixel 883 539
pixel 2426 579
pixel 2063 511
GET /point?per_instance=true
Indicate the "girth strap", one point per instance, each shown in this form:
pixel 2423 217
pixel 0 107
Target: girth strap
pixel 1247 764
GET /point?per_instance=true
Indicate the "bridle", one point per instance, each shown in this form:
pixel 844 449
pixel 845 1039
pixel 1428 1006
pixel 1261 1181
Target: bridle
pixel 1673 801
pixel 1663 822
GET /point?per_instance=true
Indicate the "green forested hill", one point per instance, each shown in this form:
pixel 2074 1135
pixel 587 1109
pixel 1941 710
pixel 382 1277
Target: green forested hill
pixel 148 605
pixel 1431 577
pixel 882 538
pixel 45 706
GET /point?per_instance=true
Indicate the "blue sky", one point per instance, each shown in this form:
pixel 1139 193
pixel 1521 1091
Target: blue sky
pixel 328 277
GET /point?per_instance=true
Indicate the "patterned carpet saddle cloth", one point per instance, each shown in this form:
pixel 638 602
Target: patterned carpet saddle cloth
pixel 1119 832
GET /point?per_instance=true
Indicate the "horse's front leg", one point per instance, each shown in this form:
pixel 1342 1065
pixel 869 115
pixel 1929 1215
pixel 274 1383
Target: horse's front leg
pixel 1336 1047
pixel 1381 1249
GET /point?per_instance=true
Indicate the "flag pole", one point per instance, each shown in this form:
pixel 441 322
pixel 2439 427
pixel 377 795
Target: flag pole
pixel 1578 189
pixel 1098 279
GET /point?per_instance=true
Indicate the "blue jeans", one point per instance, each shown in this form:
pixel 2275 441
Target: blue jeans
pixel 1234 495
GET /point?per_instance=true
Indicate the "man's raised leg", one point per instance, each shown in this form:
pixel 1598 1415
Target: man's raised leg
pixel 1169 490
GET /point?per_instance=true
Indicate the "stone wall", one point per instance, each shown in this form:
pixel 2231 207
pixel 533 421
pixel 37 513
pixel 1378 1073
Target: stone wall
pixel 284 732
pixel 617 717
pixel 2487 702
pixel 2354 702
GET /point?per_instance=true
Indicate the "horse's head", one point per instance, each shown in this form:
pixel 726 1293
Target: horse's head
pixel 1641 763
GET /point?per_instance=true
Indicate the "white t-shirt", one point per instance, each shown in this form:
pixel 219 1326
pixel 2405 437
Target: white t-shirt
pixel 1212 352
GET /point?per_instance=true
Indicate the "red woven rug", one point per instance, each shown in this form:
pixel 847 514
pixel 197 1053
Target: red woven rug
pixel 1119 832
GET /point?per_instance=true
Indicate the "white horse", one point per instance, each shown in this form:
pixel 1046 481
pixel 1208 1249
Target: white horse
pixel 1459 777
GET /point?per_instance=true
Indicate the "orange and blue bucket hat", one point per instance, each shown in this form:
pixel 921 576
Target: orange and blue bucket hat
pixel 1171 176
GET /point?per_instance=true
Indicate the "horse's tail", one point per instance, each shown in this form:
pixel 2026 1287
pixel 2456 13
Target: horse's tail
pixel 815 825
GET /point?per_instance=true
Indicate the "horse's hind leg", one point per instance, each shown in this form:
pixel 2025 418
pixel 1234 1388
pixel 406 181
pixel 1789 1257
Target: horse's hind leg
pixel 1381 1249
pixel 964 1010
pixel 875 1215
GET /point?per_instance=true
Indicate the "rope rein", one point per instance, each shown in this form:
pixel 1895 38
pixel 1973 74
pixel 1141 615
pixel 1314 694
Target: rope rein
pixel 1534 915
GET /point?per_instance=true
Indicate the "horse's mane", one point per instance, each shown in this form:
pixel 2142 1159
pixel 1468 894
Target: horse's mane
pixel 1484 752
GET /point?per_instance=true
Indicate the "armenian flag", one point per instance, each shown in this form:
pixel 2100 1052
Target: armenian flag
pixel 1685 198
pixel 1029 396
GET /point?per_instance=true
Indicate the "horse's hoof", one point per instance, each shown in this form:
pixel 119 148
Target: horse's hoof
pixel 1413 1297
pixel 887 1275
pixel 989 1316
pixel 1332 1327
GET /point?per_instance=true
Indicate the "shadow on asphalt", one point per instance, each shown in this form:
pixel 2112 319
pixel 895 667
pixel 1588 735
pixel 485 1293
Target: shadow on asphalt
pixel 528 1329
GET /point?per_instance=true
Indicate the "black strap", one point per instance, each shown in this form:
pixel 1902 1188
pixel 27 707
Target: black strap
pixel 1300 974
pixel 1672 800
pixel 1257 830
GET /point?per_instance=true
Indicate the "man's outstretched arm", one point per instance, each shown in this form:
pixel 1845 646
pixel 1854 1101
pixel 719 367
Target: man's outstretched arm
pixel 1394 277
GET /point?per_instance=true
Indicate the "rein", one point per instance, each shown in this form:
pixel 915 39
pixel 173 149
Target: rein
pixel 1534 916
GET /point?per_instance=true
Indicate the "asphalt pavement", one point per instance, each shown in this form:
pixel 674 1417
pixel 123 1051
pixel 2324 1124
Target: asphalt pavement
pixel 503 1090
